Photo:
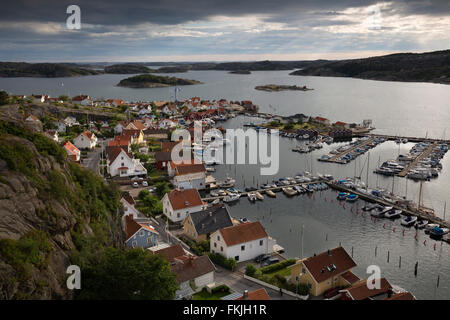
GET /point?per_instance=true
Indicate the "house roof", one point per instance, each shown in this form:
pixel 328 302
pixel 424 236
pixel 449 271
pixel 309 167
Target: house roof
pixel 113 152
pixel 156 131
pixel 321 119
pixel 186 198
pixel 71 148
pixel 80 97
pixel 243 232
pixel 87 134
pixel 402 296
pixel 258 294
pixel 32 117
pixel 128 198
pixel 172 252
pixel 192 268
pixel 163 156
pixel 168 145
pixel 350 277
pixel 132 226
pixel 211 219
pixel 131 132
pixel 340 123
pixel 322 265
pixel 360 291
pixel 188 168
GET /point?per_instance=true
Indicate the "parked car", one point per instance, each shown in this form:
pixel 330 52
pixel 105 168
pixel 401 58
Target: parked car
pixel 135 185
pixel 144 183
pixel 151 190
pixel 270 261
pixel 261 258
pixel 330 293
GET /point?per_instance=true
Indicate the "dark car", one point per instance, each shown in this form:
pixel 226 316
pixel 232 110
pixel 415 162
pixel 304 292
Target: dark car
pixel 330 293
pixel 270 261
pixel 261 258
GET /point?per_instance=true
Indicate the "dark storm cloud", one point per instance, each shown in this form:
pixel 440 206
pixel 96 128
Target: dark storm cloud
pixel 130 12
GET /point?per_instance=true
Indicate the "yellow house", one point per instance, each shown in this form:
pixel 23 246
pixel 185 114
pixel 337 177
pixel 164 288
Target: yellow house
pixel 137 135
pixel 199 225
pixel 330 269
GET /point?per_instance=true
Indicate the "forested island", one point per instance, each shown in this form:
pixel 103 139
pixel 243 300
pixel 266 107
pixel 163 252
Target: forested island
pixel 419 67
pixel 240 72
pixel 44 70
pixel 280 87
pixel 128 68
pixel 152 81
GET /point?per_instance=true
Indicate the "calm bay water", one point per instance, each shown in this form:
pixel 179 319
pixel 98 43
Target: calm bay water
pixel 412 109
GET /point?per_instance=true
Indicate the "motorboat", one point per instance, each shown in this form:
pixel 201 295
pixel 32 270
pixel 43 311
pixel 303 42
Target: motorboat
pixel 438 232
pixel 409 221
pixel 251 197
pixel 259 196
pixel 342 195
pixel 299 189
pixel 430 226
pixel 210 169
pixel 379 212
pixel 270 193
pixel 214 194
pixel 231 198
pixel 352 197
pixel 289 191
pixel 420 224
pixel 227 183
pixel 393 214
pixel 369 207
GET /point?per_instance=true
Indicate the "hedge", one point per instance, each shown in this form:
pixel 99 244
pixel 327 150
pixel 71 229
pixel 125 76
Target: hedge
pixel 277 266
pixel 220 288
pixel 219 259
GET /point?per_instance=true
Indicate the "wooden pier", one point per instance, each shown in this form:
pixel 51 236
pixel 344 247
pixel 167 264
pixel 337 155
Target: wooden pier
pixel 424 154
pixel 410 139
pixel 383 202
pixel 343 153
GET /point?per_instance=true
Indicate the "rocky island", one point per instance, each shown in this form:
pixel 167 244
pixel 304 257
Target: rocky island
pixel 152 81
pixel 44 70
pixel 280 87
pixel 127 68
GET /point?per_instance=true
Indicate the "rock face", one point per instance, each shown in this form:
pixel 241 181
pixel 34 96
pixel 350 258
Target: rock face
pixel 24 210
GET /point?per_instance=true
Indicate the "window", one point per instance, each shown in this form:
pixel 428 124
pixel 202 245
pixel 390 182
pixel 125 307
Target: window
pixel 242 248
pixel 215 245
pixel 221 248
pixel 149 240
pixel 218 238
pixel 178 215
pixel 261 242
pixel 134 244
pixel 236 258
pixel 142 233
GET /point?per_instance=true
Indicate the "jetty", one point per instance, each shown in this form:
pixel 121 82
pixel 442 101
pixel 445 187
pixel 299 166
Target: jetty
pixel 338 156
pixel 411 165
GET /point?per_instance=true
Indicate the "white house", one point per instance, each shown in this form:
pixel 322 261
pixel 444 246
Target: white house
pixel 72 151
pixel 39 97
pixel 188 176
pixel 178 203
pixel 83 100
pixel 242 242
pixel 52 134
pixel 121 163
pixel 128 206
pixel 85 140
pixel 60 126
pixel 71 121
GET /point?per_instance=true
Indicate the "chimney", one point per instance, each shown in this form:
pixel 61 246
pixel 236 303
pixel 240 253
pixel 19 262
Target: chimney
pixel 329 253
pixel 245 296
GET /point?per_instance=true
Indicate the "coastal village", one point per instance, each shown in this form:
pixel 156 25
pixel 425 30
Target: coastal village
pixel 165 210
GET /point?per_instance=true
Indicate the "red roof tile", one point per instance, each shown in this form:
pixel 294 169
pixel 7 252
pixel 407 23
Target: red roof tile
pixel 243 232
pixel 180 199
pixel 259 294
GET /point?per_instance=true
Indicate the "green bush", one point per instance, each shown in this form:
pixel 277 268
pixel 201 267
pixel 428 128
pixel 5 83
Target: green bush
pixel 250 270
pixel 219 259
pixel 278 266
pixel 221 288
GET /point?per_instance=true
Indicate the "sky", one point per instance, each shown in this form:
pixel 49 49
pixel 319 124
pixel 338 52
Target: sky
pixel 219 30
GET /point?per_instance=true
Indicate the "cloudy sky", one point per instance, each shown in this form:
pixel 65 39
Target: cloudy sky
pixel 220 30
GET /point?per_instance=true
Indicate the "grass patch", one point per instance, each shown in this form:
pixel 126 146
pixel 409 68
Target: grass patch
pixel 205 295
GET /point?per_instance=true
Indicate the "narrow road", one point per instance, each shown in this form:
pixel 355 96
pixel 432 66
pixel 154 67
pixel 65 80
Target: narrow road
pixel 93 157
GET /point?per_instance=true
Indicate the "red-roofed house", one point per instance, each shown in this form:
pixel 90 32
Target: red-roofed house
pixel 85 140
pixel 121 163
pixel 188 175
pixel 128 205
pixel 242 242
pixel 321 120
pixel 83 100
pixel 72 151
pixel 330 269
pixel 341 125
pixel 177 204
pixel 139 234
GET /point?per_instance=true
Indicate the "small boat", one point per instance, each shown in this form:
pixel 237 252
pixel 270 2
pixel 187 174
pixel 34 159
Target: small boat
pixel 299 189
pixel 370 207
pixel 342 195
pixel 380 211
pixel 227 183
pixel 420 224
pixel 352 197
pixel 251 197
pixel 409 221
pixel 214 194
pixel 231 198
pixel 215 202
pixel 259 196
pixel 393 214
pixel 289 191
pixel 446 238
pixel 270 193
pixel 430 226
pixel 438 233
pixel 221 192
pixel 210 169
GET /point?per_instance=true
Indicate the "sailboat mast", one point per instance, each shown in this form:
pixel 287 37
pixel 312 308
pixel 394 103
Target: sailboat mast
pixel 445 206
pixel 420 194
pixel 367 175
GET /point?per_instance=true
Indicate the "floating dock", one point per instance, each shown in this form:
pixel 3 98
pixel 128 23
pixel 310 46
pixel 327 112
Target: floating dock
pixel 411 165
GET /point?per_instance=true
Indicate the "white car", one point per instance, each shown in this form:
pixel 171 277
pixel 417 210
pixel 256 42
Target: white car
pixel 135 185
pixel 144 183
